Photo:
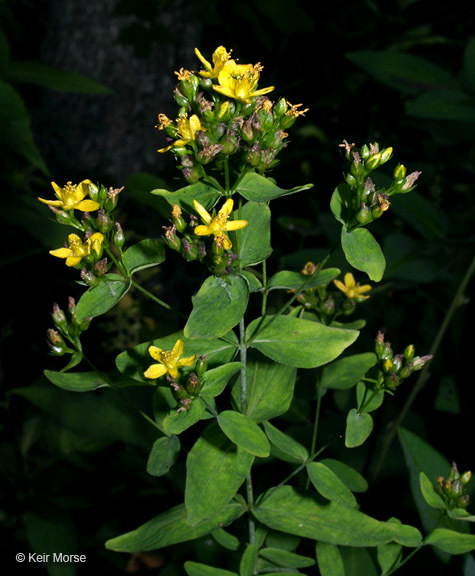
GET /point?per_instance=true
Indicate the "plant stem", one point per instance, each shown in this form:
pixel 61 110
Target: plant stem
pixel 264 292
pixel 315 426
pixel 424 373
pixel 155 299
pixel 249 490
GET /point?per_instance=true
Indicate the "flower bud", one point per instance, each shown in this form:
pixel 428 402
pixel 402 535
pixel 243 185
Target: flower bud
pixel 328 306
pixel 193 387
pixel 399 172
pixel 177 217
pixel 171 238
pixel 373 161
pixel 180 99
pixel 59 317
pixel 89 278
pixel 409 352
pixel 348 306
pixel 189 250
pixel 465 478
pixel 280 108
pixel 364 215
pixel 201 366
pixel 463 501
pixel 421 361
pixel 386 155
pixel 119 237
pixel 103 222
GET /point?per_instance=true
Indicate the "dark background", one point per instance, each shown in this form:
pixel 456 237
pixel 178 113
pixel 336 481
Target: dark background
pixel 64 129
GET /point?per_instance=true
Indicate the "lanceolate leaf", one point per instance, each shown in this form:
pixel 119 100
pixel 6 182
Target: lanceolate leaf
pixel 244 432
pixel 363 252
pixel 198 569
pixel 206 195
pixel 217 307
pixel 295 512
pixel 170 528
pixel 215 468
pixel 451 541
pixel 144 254
pixel 254 239
pixel 296 342
pixel 77 381
pixel 101 298
pixel 261 189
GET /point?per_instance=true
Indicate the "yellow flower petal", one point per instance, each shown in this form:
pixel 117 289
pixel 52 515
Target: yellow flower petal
pixel 62 252
pixel 177 349
pixel 155 352
pixel 202 212
pixel 155 371
pixel 235 225
pixel 202 230
pixel 87 205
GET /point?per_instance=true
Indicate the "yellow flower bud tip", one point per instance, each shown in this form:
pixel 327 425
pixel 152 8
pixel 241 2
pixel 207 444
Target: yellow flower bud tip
pixel 176 211
pixel 309 269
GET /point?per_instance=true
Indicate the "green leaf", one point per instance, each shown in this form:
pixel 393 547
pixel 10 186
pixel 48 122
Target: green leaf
pixel 389 556
pixel 171 527
pixel 422 457
pixel 198 569
pixel 329 485
pixel 288 280
pixel 254 239
pixel 296 342
pixel 340 203
pixel 248 562
pixel 448 105
pixel 206 195
pixel 55 79
pixel 288 510
pixel 215 468
pixel 163 455
pixel 217 307
pixel 284 446
pixel 177 422
pixel 354 480
pixel 135 361
pixel 261 189
pixel 285 558
pixel 430 495
pixel 366 398
pixel 405 72
pixel 243 432
pixel 226 540
pixel 102 416
pixel 214 381
pixel 270 389
pixel 461 514
pixel 451 541
pixel 346 372
pixel 363 252
pixel 49 530
pixel 330 562
pixel 77 381
pixel 16 134
pixel 358 428
pixel 144 254
pixel 101 298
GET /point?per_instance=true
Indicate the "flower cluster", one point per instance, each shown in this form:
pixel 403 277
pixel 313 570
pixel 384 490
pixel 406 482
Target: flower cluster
pixel 394 368
pixel 452 488
pixel 326 304
pixel 367 202
pixel 225 119
pixel 191 244
pixel 99 232
pixel 168 363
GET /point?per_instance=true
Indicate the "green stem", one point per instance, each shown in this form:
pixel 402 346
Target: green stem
pixel 264 292
pixel 424 373
pixel 315 427
pixel 155 299
pixel 249 489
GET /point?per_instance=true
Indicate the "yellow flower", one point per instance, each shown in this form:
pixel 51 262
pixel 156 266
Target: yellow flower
pixel 220 57
pixel 77 249
pixel 72 197
pixel 168 361
pixel 352 289
pixel 219 224
pixel 186 129
pixel 239 81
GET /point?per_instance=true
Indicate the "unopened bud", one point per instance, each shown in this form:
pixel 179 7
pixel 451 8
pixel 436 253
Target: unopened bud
pixel 59 317
pixel 373 161
pixel 364 215
pixel 119 237
pixel 194 385
pixel 399 172
pixel 103 222
pixel 465 478
pixel 201 366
